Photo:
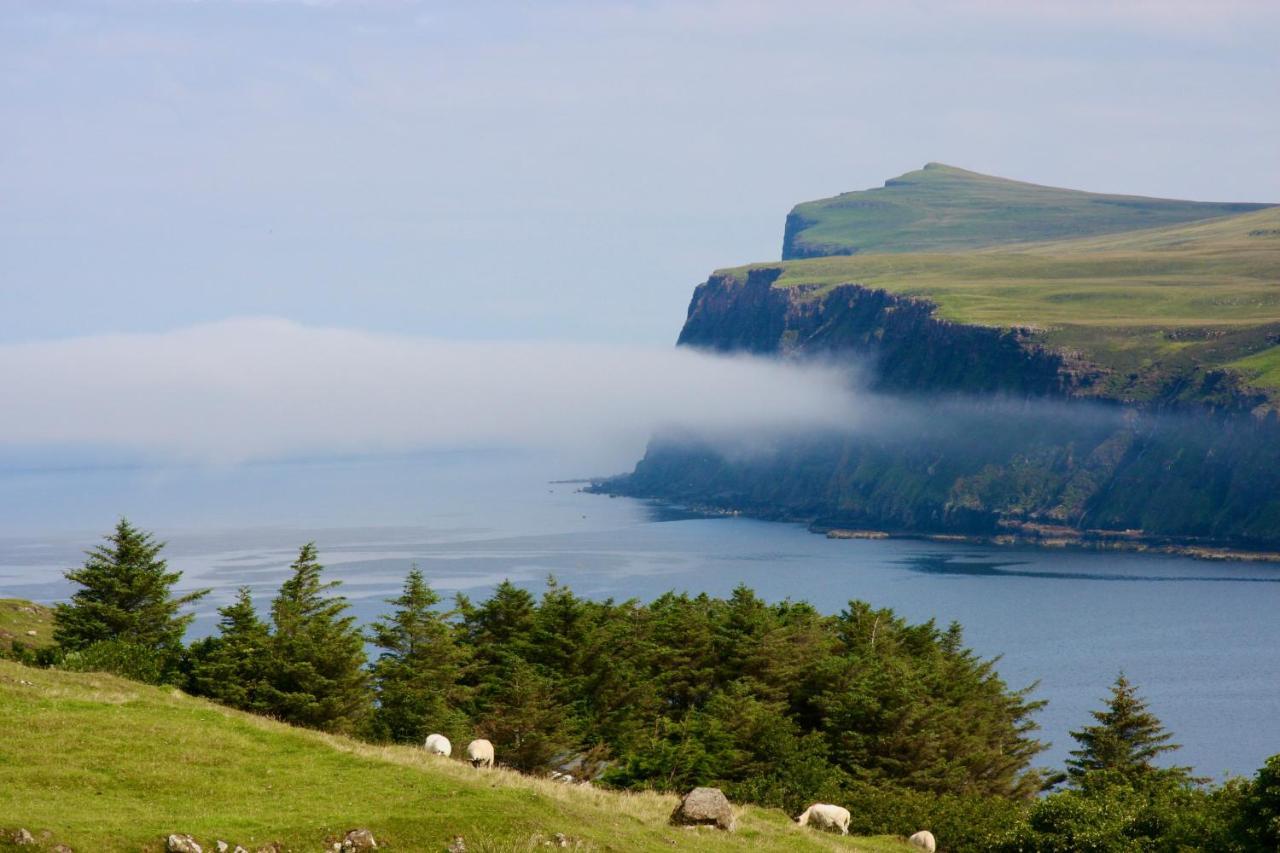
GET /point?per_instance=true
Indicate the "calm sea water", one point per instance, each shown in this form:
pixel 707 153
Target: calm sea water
pixel 1199 638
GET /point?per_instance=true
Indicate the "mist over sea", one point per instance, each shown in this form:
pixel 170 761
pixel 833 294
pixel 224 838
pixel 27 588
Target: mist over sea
pixel 1193 635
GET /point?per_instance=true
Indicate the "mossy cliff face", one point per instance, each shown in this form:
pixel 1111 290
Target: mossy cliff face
pixel 985 432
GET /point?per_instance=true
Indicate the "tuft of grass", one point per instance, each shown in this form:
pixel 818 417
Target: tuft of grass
pixel 19 618
pixel 104 764
pixel 941 208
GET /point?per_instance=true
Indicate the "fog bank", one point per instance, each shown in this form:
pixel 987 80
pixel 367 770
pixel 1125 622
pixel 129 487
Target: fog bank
pixel 262 388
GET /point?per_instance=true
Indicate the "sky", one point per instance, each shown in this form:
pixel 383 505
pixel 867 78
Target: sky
pixel 549 174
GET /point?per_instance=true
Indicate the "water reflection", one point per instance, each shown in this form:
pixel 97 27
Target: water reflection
pixel 975 566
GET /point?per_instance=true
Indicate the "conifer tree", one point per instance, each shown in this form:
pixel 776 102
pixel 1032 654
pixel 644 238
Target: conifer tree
pixel 316 673
pixel 232 667
pixel 1126 739
pixel 125 596
pixel 416 676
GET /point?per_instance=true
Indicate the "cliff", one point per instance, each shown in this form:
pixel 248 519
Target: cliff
pixel 1117 390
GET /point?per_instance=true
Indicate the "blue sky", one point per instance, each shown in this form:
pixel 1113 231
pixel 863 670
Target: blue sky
pixel 554 170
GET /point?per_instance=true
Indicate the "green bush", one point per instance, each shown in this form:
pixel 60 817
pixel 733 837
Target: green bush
pixel 141 663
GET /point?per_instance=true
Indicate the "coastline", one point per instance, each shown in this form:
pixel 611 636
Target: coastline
pixel 1019 534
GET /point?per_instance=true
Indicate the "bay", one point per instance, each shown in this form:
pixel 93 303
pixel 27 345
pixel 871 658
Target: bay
pixel 1197 637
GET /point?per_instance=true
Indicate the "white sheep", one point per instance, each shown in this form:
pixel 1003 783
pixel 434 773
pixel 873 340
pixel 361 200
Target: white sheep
pixel 438 745
pixel 826 816
pixel 480 753
pixel 923 840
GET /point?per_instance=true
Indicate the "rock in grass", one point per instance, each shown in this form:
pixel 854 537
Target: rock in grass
pixel 705 807
pixel 22 838
pixel 358 839
pixel 182 844
pixel 458 845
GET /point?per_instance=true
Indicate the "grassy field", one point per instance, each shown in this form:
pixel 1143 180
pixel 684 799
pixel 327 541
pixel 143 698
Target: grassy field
pixel 1204 294
pixel 942 208
pixel 19 618
pixel 104 764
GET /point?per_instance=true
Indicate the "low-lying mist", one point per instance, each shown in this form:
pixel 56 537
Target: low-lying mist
pixel 258 389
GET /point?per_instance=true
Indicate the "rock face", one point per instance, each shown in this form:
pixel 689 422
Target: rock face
pixel 705 807
pixel 923 840
pixel 182 844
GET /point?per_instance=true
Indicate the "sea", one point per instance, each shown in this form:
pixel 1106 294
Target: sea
pixel 1198 638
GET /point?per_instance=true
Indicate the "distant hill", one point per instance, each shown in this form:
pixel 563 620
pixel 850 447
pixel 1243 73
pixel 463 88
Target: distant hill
pixel 103 764
pixel 941 208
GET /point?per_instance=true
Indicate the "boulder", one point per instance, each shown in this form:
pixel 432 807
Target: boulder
pixel 923 840
pixel 705 807
pixel 222 846
pixel 22 838
pixel 358 839
pixel 457 845
pixel 182 844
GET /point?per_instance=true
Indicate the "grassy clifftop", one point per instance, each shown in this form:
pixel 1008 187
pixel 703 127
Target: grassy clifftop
pixel 1144 306
pixel 942 208
pixel 104 764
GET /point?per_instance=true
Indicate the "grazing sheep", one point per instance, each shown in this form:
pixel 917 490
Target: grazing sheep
pixel 438 745
pixel 826 816
pixel 923 840
pixel 480 753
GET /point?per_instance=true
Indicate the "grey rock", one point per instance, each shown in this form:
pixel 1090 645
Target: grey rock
pixel 457 846
pixel 358 839
pixel 705 807
pixel 222 846
pixel 22 838
pixel 62 848
pixel 561 840
pixel 182 844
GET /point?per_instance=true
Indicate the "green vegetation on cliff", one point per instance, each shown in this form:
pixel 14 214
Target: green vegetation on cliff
pixel 942 208
pixel 1141 308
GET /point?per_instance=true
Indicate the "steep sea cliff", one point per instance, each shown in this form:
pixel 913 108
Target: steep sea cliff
pixel 975 431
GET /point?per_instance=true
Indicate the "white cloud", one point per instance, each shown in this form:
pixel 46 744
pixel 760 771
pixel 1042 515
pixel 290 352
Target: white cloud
pixel 249 389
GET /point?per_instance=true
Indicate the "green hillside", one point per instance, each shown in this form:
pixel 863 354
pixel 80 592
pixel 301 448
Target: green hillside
pixel 1152 303
pixel 25 622
pixel 104 764
pixel 941 208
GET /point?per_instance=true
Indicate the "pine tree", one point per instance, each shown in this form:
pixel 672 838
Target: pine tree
pixel 525 720
pixel 232 667
pixel 125 597
pixel 1127 738
pixel 315 672
pixel 416 676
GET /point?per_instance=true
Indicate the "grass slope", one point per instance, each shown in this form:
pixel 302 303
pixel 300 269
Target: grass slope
pixel 1193 296
pixel 104 764
pixel 18 618
pixel 942 208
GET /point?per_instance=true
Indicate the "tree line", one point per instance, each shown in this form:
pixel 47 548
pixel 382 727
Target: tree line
pixel 776 703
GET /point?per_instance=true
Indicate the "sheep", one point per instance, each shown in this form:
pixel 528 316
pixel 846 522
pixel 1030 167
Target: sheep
pixel 438 745
pixel 826 816
pixel 480 753
pixel 923 840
